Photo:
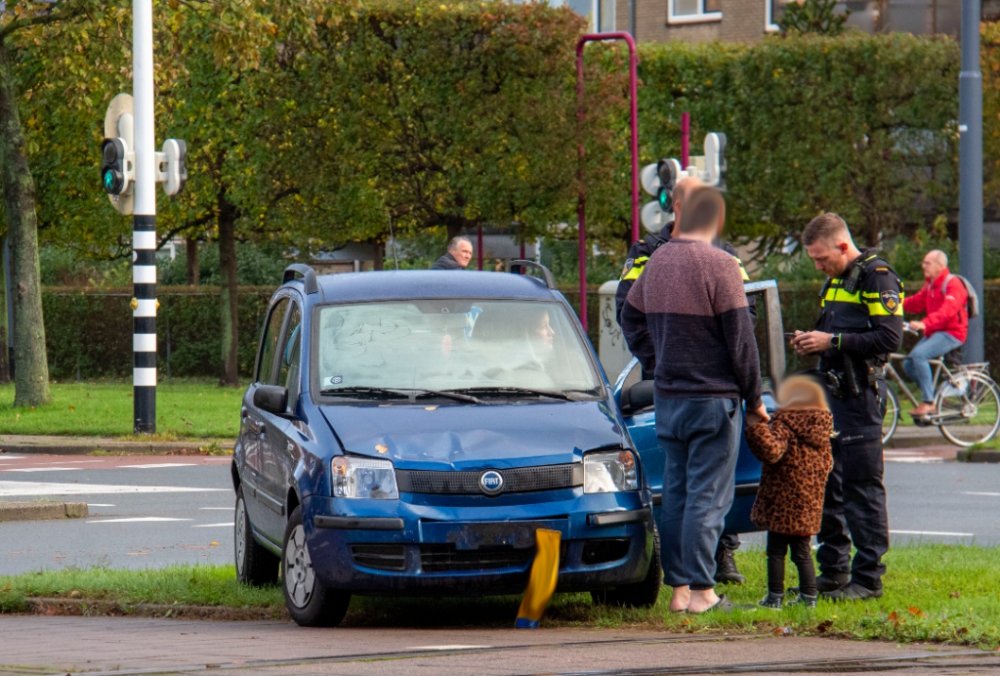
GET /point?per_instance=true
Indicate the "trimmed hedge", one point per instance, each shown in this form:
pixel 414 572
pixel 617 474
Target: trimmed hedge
pixel 90 334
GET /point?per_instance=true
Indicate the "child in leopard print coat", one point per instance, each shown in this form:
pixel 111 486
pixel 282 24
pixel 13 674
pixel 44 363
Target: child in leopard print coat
pixel 795 450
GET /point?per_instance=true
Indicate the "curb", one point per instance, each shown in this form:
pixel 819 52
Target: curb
pixel 106 608
pixel 83 446
pixel 37 511
pixel 982 455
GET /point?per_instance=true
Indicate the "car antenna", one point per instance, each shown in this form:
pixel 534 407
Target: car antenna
pixel 395 254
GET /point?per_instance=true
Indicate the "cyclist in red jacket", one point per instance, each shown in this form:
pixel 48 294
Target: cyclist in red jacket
pixel 944 299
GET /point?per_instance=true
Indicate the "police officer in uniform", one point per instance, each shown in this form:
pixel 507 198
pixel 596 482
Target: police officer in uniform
pixel 638 256
pixel 860 325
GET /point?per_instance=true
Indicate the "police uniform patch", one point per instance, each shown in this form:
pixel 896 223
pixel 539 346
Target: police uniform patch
pixel 890 300
pixel 628 266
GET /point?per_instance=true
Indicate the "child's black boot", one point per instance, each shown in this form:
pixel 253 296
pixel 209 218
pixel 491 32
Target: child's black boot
pixel 773 601
pixel 805 600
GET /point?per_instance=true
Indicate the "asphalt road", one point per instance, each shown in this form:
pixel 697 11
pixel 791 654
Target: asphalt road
pixel 151 511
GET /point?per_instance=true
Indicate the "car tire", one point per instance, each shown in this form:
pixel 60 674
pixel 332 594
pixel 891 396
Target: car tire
pixel 638 594
pixel 255 565
pixel 309 603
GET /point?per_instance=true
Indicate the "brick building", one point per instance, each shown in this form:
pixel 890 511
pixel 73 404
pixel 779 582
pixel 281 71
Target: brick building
pixel 749 20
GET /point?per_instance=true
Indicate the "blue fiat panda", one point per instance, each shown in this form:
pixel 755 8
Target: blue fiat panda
pixel 407 433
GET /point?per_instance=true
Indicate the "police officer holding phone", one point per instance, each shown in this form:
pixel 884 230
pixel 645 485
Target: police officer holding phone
pixel 860 325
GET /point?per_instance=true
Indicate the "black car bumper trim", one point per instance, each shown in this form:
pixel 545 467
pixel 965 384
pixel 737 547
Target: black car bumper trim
pixel 742 491
pixel 615 518
pixel 359 523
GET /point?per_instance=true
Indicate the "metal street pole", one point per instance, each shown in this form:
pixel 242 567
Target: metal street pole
pixel 144 223
pixel 970 152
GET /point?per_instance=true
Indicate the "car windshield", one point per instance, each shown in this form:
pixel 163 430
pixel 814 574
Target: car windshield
pixel 484 347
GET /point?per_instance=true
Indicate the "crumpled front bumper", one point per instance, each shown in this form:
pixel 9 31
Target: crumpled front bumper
pixel 485 546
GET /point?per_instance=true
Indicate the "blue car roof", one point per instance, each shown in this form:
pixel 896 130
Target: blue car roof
pixel 384 285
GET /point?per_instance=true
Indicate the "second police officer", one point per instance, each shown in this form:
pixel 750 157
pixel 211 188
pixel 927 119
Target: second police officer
pixel 638 255
pixel 860 324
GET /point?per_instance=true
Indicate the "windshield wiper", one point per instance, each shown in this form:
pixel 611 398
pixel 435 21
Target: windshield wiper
pixel 515 391
pixel 375 392
pixel 401 393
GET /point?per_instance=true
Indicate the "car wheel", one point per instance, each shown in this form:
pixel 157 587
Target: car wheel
pixel 309 603
pixel 255 565
pixel 639 594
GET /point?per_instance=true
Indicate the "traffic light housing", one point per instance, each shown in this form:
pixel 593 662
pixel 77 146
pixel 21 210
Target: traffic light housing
pixel 174 156
pixel 117 172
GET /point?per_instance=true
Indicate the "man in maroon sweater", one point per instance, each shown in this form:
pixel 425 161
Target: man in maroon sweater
pixel 686 319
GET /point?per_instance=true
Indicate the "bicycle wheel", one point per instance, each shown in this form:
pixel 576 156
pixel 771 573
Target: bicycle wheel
pixel 968 409
pixel 891 420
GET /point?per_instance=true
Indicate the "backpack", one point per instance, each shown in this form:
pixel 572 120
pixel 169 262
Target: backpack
pixel 972 304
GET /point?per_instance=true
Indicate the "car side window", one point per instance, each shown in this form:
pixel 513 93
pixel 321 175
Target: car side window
pixel 269 345
pixel 288 371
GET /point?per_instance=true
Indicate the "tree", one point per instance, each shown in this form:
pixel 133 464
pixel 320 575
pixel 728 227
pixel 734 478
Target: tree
pixel 813 16
pixel 436 116
pixel 31 375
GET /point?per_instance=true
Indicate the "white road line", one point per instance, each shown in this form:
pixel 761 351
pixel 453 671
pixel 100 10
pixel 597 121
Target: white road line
pixel 233 509
pixel 21 488
pixel 158 465
pixel 4 456
pixel 457 646
pixel 227 524
pixel 931 532
pixel 98 504
pixel 926 461
pixel 992 495
pixel 138 519
pixel 43 469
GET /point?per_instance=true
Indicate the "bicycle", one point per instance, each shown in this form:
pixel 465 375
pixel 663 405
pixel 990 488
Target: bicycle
pixel 967 401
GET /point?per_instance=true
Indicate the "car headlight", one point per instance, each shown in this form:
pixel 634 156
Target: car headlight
pixel 355 477
pixel 609 472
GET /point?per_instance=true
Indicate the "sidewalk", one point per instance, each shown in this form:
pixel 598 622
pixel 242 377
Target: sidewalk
pixel 128 645
pixel 56 445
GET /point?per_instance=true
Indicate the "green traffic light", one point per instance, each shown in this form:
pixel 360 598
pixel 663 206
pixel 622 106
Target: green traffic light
pixel 665 199
pixel 109 179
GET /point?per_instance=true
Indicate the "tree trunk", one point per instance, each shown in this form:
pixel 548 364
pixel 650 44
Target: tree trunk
pixel 230 315
pixel 191 251
pixel 31 378
pixel 4 329
pixel 378 261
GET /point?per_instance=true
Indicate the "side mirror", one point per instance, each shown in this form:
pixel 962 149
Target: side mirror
pixel 271 398
pixel 637 397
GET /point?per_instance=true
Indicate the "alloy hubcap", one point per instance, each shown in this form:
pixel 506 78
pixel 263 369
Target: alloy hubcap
pixel 241 534
pixel 300 579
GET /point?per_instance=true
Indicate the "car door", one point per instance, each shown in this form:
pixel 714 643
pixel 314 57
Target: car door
pixel 279 452
pixel 253 422
pixel 635 399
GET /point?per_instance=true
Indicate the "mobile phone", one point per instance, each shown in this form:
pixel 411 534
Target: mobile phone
pixel 789 336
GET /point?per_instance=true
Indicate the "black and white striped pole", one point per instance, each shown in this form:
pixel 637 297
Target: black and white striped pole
pixel 131 169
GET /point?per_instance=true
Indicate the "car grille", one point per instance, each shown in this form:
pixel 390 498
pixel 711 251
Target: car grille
pixel 517 480
pixel 446 558
pixel 382 557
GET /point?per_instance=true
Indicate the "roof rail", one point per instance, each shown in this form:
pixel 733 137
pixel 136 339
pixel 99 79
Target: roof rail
pixel 521 267
pixel 308 276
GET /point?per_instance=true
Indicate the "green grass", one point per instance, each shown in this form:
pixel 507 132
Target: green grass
pixel 938 593
pixel 184 410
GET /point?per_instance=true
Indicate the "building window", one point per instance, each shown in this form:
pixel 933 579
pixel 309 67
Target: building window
pixel 694 11
pixel 600 14
pixel 775 8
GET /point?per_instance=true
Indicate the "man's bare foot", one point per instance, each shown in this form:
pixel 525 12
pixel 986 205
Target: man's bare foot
pixel 923 409
pixel 702 600
pixel 681 599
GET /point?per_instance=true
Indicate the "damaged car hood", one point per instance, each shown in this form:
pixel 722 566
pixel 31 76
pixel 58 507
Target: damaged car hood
pixel 455 437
